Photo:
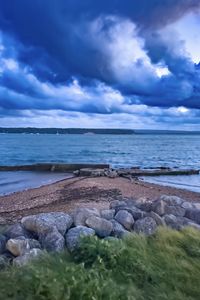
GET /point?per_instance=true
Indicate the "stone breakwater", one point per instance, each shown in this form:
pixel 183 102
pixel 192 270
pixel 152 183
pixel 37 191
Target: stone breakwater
pixel 131 172
pixel 57 231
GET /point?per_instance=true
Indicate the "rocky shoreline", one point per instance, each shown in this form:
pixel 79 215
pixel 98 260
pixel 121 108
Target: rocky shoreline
pixel 57 231
pixel 90 192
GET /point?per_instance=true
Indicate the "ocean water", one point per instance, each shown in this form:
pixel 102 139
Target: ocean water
pixel 187 182
pixel 146 151
pixel 11 182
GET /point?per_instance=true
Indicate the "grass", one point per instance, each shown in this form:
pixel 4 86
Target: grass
pixel 164 266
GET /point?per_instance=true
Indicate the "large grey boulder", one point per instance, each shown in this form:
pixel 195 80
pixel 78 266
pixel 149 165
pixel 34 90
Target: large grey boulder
pixel 75 234
pixel 188 205
pixel 125 219
pixel 159 221
pixel 175 222
pixel 107 214
pixel 171 221
pixel 20 246
pixel 27 257
pixel 101 226
pixel 16 230
pixel 3 221
pixel 163 207
pixel 82 214
pixel 175 210
pixel 45 222
pixel 145 226
pixel 2 243
pixel 134 211
pixel 197 205
pixel 117 204
pixel 52 241
pixel 159 207
pixel 172 200
pixel 132 206
pixel 118 230
pixel 193 214
pixel 146 206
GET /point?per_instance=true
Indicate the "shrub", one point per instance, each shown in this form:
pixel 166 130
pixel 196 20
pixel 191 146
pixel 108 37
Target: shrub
pixel 163 266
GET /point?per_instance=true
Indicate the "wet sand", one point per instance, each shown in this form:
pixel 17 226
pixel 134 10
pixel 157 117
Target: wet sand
pixel 69 194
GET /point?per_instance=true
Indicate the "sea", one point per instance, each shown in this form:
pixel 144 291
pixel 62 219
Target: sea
pixel 181 151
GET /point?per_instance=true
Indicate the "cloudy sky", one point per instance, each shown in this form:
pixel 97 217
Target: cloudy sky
pixel 102 63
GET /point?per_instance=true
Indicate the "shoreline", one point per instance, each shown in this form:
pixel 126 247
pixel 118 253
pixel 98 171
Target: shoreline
pixel 69 194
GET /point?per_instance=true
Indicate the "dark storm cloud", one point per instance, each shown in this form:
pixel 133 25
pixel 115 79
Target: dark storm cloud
pixel 51 26
pixel 57 40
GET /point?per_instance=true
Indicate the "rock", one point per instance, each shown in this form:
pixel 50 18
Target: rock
pixel 172 200
pixel 21 245
pixel 163 207
pixel 139 201
pixel 17 230
pixel 175 210
pixel 27 257
pixel 90 172
pixel 63 221
pixel 108 214
pixel 188 205
pixel 193 214
pixel 157 218
pixel 118 230
pixel 137 213
pixel 101 226
pixel 2 243
pixel 125 219
pixel 145 226
pixel 134 211
pixel 52 241
pixel 197 205
pixel 159 207
pixel 175 222
pixel 2 221
pixel 44 222
pixel 111 173
pixel 117 203
pixel 145 206
pixel 171 221
pixel 143 203
pixel 82 214
pixel 74 235
pixel 76 173
pixel 130 201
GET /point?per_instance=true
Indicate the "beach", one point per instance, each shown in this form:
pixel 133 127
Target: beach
pixel 94 192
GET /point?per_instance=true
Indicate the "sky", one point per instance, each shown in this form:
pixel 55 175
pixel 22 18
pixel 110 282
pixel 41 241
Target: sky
pixel 100 64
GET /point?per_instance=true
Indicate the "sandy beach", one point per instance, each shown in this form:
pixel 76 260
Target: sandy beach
pixel 69 194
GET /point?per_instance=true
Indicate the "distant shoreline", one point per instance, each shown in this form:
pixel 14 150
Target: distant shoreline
pixel 90 131
pixel 84 131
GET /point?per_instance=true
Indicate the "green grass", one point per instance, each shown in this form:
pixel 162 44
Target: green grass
pixel 164 266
